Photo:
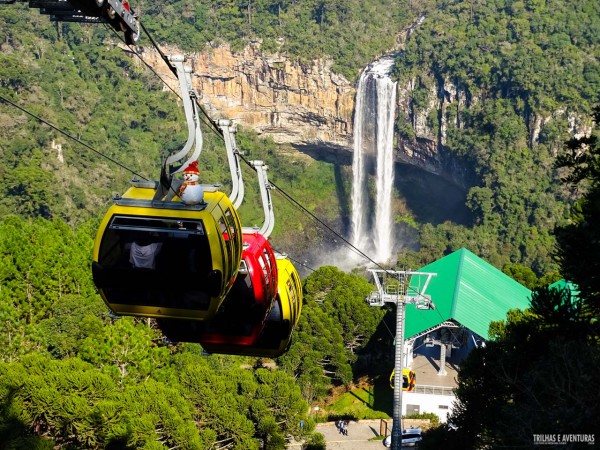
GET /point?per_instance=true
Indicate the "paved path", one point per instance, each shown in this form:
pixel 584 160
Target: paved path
pixel 359 435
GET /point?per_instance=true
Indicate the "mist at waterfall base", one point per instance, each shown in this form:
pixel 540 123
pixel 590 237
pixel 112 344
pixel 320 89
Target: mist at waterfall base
pixel 421 196
pixel 426 197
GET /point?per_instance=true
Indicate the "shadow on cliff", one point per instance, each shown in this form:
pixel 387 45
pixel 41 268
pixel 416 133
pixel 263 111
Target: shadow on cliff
pixel 431 198
pixel 343 199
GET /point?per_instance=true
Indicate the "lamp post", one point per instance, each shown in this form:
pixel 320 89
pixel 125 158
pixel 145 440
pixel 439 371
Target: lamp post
pixel 399 292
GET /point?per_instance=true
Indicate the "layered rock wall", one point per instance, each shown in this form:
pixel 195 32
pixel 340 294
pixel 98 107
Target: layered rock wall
pixel 289 101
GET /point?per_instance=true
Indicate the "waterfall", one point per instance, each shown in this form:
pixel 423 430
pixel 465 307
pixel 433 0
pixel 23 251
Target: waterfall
pixel 372 224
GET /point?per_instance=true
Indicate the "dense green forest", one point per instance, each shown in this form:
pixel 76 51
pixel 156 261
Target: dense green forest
pixel 72 377
pixel 81 380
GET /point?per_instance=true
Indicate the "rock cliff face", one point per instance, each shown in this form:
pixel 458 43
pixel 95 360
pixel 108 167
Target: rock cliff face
pixel 427 149
pixel 289 101
pixel 308 106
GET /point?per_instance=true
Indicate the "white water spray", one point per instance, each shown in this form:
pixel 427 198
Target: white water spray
pixel 372 225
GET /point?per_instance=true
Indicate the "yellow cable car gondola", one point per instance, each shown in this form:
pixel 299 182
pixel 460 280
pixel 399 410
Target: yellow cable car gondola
pixel 187 258
pixel 276 335
pixel 170 249
pixel 409 378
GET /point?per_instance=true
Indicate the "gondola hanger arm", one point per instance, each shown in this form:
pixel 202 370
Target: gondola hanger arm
pixel 189 96
pixel 228 129
pixel 265 195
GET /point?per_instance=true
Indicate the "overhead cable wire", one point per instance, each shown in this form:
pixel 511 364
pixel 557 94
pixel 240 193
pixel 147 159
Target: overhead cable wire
pixel 388 328
pixel 70 136
pixel 295 260
pixel 136 53
pixel 160 52
pixel 208 122
pixel 323 224
pixel 450 329
pixel 212 125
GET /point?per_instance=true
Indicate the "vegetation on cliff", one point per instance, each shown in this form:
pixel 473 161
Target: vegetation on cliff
pixel 515 78
pixel 351 32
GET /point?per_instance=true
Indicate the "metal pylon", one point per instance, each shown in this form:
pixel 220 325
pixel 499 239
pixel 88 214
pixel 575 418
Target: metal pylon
pixel 395 287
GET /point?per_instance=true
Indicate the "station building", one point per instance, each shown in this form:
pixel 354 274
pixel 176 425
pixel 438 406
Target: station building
pixel 468 294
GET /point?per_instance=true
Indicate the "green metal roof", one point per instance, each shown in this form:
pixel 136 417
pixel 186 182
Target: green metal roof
pixel 467 290
pixel 562 284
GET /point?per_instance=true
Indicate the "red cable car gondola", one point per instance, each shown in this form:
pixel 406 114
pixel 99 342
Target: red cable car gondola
pixel 242 315
pixel 244 312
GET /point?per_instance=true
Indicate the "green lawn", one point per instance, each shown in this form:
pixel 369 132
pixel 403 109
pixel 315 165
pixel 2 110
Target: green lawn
pixel 369 402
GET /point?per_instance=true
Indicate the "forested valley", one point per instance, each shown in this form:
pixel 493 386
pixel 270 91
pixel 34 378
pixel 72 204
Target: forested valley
pixel 72 377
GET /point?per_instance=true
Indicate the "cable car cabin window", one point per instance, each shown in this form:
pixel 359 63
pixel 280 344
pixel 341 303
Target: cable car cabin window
pixel 230 223
pixel 263 260
pixel 226 232
pixel 270 264
pixel 296 281
pixel 233 239
pixel 292 301
pixel 243 267
pixel 294 287
pixel 263 265
pixel 233 245
pixel 404 382
pixel 273 274
pixel 140 257
pixel 291 291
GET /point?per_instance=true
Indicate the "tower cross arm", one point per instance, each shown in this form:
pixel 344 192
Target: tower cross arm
pixel 394 287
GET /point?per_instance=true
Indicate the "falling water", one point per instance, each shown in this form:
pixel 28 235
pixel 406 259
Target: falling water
pixel 373 141
pixel 359 188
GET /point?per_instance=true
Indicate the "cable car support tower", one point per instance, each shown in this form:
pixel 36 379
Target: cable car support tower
pixel 397 287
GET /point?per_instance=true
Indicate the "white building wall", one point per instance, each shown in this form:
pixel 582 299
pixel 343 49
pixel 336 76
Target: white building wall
pixel 441 405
